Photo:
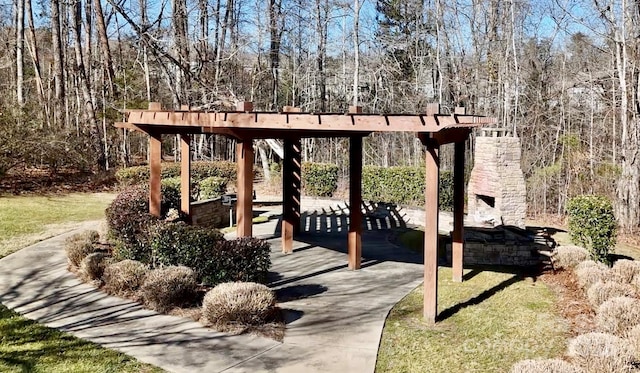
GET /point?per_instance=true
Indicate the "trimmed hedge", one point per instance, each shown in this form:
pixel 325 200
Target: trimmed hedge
pixel 592 225
pixel 199 170
pixel 319 179
pixel 403 185
pixel 214 259
pixel 211 187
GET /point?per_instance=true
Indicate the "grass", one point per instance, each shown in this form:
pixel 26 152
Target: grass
pixel 25 220
pixel 494 320
pixel 26 346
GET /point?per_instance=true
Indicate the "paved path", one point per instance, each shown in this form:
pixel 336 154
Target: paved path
pixel 334 316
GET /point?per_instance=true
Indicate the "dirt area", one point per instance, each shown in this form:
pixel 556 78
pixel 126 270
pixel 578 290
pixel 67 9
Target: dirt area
pixel 40 181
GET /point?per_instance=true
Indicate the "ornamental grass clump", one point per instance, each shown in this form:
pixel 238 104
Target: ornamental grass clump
pixel 124 278
pixel 625 271
pixel 589 275
pixel 601 291
pixel 237 305
pixel 568 257
pixel 634 341
pixel 601 353
pixel 93 265
pixel 545 366
pixel 618 315
pixel 79 246
pixel 168 287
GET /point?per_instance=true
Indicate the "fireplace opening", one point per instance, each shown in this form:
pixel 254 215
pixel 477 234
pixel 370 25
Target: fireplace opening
pixel 488 201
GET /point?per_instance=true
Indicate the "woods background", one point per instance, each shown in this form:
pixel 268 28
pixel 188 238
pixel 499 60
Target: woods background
pixel 562 75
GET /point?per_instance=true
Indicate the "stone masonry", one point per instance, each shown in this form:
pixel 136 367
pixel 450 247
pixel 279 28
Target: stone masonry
pixel 496 191
pixel 210 213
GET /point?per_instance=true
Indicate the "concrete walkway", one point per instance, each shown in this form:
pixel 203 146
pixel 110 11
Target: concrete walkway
pixel 334 316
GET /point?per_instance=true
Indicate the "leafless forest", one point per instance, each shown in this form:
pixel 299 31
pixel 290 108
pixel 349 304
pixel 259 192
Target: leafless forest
pixel 563 75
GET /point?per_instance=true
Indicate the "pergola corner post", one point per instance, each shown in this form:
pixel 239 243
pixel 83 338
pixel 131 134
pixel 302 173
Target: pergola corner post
pixel 432 171
pixel 354 241
pixel 155 164
pixel 185 175
pixel 291 192
pixel 244 205
pixel 457 244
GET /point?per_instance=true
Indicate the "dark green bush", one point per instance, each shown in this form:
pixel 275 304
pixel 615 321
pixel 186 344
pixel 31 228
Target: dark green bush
pixel 212 187
pixel 199 170
pixel 129 220
pixel 204 250
pixel 592 225
pixel 223 169
pixel 403 185
pixel 133 175
pixel 170 189
pixel 319 179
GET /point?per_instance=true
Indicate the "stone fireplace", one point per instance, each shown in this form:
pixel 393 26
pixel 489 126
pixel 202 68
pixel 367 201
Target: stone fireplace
pixel 496 191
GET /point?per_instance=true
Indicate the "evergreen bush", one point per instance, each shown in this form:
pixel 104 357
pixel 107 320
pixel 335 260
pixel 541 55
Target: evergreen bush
pixel 592 225
pixel 319 179
pixel 212 187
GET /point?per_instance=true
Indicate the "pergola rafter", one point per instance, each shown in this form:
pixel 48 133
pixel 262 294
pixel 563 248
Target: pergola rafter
pixel 433 128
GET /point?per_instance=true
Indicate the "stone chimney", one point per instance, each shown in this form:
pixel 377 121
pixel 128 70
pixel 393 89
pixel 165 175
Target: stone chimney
pixel 497 192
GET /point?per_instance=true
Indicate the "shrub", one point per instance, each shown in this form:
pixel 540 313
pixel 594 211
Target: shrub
pixel 168 287
pixel 600 292
pixel 590 263
pixel 133 175
pixel 212 187
pixel 170 189
pixel 600 353
pixel 199 170
pixel 238 303
pixel 568 257
pixel 589 275
pixel 634 341
pixel 625 270
pixel 618 315
pixel 319 179
pixel 93 265
pixel 214 259
pixel 592 224
pixel 125 277
pixel 128 219
pixel 224 169
pixel 544 366
pixel 79 246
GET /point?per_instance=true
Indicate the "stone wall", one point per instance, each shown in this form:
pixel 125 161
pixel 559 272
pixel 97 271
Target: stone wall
pixel 210 213
pixel 497 177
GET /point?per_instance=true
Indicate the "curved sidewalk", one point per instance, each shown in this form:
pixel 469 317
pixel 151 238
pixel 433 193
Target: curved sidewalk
pixel 334 316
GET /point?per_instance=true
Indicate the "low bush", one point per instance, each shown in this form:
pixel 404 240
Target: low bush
pixel 170 189
pixel 319 179
pixel 224 169
pixel 238 304
pixel 618 315
pixel 129 220
pixel 133 175
pixel 625 270
pixel 600 292
pixel 568 257
pixel 93 265
pixel 590 263
pixel 634 341
pixel 168 287
pixel 214 259
pixel 199 170
pixel 600 353
pixel 592 225
pixel 124 277
pixel 78 246
pixel 545 366
pixel 589 275
pixel 212 187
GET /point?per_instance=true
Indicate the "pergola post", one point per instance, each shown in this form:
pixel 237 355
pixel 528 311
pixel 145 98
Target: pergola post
pixel 155 160
pixel 354 241
pixel 185 175
pixel 291 192
pixel 457 246
pixel 432 170
pixel 244 206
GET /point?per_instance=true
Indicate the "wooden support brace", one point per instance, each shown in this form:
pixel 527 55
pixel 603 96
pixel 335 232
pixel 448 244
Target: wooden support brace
pixel 291 192
pixel 244 206
pixel 354 243
pixel 432 163
pixel 155 160
pixel 457 246
pixel 185 175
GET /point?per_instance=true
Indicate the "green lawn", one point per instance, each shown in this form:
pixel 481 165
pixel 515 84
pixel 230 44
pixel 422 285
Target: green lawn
pixel 26 346
pixel 25 220
pixel 492 320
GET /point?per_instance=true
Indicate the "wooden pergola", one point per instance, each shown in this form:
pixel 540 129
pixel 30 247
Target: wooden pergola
pixel 291 125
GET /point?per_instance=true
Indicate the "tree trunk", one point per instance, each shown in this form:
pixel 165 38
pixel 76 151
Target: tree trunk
pixel 20 52
pixel 104 46
pixel 58 64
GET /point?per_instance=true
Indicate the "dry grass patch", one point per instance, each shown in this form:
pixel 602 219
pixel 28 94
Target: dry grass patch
pixel 600 292
pixel 618 315
pixel 168 287
pixel 235 305
pixel 78 246
pixel 588 274
pixel 124 278
pixel 601 353
pixel 93 265
pixel 568 257
pixel 545 366
pixel 625 270
pixel 634 341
